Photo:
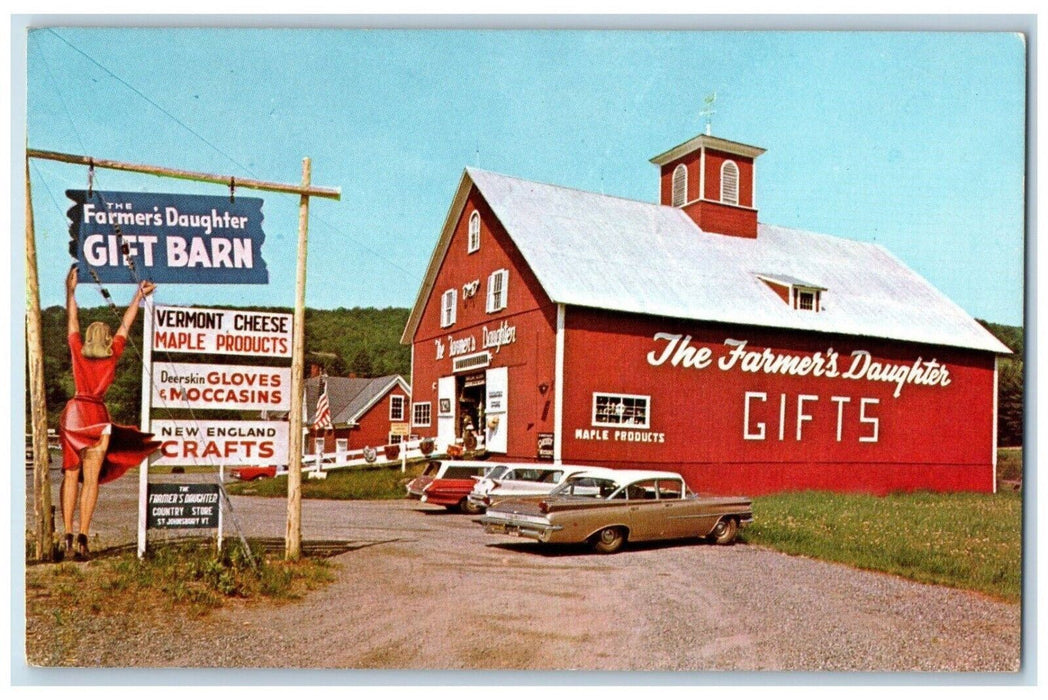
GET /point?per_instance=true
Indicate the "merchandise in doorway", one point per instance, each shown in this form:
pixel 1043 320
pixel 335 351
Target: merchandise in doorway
pixel 471 393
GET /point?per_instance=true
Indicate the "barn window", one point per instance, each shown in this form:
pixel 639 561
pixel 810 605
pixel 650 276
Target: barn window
pixel 422 413
pixel 396 408
pixel 680 185
pixel 621 409
pixel 448 302
pixel 474 233
pixel 730 182
pixel 807 298
pixel 498 282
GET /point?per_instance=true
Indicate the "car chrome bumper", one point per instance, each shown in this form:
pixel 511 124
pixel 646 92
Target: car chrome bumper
pixel 516 528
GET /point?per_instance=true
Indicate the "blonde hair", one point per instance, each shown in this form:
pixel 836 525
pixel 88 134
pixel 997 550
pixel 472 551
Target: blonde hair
pixel 99 341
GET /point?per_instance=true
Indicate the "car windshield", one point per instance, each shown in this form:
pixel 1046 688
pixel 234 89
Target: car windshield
pixel 586 486
pixel 497 472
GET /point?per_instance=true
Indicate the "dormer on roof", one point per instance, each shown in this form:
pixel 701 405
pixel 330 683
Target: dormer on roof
pixel 800 295
pixel 714 181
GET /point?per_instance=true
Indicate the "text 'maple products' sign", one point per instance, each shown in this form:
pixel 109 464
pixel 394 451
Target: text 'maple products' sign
pixel 237 387
pixel 222 331
pixel 167 238
pixel 177 506
pixel 220 442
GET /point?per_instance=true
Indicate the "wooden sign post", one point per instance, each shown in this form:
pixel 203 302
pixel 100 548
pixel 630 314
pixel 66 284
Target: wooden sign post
pixel 293 540
pixel 44 518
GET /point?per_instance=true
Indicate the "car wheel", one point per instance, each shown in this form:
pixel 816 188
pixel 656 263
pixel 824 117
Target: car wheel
pixel 609 540
pixel 468 508
pixel 724 531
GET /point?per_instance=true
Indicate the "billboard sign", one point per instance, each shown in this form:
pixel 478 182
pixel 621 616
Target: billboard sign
pixel 220 442
pixel 222 331
pixel 125 237
pixel 236 387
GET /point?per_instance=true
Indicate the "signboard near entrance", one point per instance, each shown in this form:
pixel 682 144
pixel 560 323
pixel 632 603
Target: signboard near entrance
pixel 545 446
pixel 179 506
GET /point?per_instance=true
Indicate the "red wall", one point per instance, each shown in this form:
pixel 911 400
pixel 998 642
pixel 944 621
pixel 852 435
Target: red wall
pixel 714 217
pixel 929 437
pixel 529 358
pixel 374 425
pixel 691 163
pixel 709 213
pixel 372 429
pixel 714 161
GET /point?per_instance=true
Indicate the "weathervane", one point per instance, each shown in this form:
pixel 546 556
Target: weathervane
pixel 708 111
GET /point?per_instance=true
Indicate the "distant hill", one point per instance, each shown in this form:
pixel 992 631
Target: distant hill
pixel 1010 378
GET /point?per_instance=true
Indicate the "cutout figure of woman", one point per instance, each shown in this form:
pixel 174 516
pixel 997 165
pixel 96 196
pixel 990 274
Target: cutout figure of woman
pixel 94 449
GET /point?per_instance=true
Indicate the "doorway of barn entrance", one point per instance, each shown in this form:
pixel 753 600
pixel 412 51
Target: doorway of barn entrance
pixel 470 400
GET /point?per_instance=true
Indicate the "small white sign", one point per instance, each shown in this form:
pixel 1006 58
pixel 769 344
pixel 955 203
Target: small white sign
pixel 220 442
pixel 222 331
pixel 187 385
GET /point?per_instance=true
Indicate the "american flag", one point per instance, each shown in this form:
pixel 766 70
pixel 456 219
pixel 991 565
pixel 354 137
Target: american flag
pixel 322 418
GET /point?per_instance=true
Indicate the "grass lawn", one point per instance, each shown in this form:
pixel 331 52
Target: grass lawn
pixel 190 576
pixel 966 540
pixel 382 482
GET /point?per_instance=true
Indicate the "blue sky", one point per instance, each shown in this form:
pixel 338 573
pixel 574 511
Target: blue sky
pixel 912 140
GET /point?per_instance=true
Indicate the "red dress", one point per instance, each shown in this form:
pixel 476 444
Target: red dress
pixel 85 418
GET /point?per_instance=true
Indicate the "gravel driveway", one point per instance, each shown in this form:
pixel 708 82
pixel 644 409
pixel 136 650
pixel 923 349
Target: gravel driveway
pixel 424 589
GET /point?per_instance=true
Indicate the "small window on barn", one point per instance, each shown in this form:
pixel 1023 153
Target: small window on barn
pixel 621 409
pixel 422 414
pixel 730 182
pixel 396 408
pixel 680 185
pixel 807 299
pixel 448 302
pixel 498 290
pixel 474 233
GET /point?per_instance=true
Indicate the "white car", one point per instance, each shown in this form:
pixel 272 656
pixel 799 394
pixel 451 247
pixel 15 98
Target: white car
pixel 519 480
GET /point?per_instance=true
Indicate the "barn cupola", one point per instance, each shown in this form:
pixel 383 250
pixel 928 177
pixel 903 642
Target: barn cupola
pixel 714 181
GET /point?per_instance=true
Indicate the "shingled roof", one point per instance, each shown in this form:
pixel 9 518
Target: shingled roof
pixel 604 252
pixel 350 397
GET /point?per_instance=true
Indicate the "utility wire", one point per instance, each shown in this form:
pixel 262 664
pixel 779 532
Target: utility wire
pixel 218 150
pixel 138 92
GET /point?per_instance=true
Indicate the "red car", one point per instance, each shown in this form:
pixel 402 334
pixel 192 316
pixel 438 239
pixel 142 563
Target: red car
pixel 252 473
pixel 448 484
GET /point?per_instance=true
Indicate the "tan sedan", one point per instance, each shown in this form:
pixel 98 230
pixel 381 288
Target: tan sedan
pixel 606 508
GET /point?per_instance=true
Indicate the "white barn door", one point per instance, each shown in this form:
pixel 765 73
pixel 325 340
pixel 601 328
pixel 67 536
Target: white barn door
pixel 496 409
pixel 445 412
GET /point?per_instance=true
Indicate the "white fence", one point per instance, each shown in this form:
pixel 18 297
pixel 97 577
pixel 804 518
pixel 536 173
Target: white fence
pixel 318 464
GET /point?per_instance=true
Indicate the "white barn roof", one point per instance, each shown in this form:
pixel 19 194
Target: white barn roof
pixel 605 252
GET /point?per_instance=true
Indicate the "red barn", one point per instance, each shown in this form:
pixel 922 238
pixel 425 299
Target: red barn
pixel 571 326
pixel 363 411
